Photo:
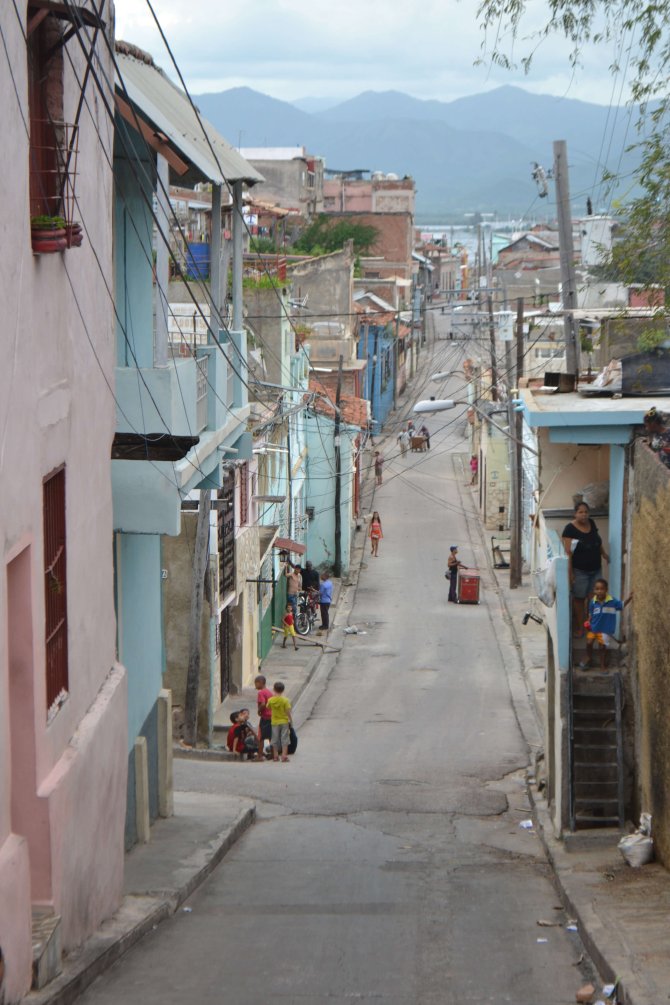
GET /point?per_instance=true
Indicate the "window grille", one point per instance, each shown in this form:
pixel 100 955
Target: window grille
pixel 55 588
pixel 226 533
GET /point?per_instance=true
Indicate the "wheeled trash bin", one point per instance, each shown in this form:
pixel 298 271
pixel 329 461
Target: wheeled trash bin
pixel 468 588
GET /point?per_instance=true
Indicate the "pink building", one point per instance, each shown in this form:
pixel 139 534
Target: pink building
pixel 63 756
pixel 350 192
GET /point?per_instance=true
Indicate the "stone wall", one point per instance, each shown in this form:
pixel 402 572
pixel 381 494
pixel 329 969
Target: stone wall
pixel 650 582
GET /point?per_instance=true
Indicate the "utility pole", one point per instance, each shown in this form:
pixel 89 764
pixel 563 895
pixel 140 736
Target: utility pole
pixel 337 565
pixel 567 256
pixel 492 338
pixel 395 361
pixel 516 466
pixel 200 555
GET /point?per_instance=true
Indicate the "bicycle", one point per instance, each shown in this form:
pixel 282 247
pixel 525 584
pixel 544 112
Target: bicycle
pixel 308 608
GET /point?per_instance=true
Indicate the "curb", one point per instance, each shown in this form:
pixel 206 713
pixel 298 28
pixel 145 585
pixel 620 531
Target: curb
pixel 119 933
pixel 589 924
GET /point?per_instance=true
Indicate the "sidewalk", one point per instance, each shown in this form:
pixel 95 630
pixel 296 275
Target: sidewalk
pixel 623 914
pixel 186 847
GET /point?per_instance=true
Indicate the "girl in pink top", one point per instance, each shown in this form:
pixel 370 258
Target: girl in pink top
pixel 375 533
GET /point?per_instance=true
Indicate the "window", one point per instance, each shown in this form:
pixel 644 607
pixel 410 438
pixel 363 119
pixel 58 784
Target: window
pixel 45 99
pixel 226 533
pixel 55 589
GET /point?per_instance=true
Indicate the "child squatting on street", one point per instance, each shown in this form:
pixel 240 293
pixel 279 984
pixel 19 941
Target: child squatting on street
pixel 280 709
pixel 241 738
pixel 601 626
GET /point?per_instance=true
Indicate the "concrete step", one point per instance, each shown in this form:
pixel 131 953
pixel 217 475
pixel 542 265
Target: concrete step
pixel 47 951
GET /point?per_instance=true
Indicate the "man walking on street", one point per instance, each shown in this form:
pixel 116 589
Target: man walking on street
pixel 379 463
pixel 325 600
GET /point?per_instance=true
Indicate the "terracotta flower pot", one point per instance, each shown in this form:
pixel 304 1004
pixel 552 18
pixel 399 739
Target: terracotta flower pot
pixel 48 240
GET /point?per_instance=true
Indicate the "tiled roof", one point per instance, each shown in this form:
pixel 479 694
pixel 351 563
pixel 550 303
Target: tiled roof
pixel 355 411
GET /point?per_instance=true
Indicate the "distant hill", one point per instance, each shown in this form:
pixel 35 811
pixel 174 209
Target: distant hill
pixel 472 154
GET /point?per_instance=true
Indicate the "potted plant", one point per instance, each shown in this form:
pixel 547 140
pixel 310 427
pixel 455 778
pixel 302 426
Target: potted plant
pixel 47 234
pixel 73 235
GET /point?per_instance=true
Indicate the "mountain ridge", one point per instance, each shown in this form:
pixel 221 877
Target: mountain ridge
pixel 471 154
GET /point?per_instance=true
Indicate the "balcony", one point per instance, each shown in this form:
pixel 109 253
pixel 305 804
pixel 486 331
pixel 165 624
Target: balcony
pixel 197 394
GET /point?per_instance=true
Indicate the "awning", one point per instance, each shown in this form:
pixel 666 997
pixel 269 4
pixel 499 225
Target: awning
pixel 162 104
pixel 286 544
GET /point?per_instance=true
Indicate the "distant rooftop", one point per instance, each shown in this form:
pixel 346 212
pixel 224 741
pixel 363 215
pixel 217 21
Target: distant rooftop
pixel 272 153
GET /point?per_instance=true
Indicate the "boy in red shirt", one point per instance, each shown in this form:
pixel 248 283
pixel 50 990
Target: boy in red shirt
pixel 264 714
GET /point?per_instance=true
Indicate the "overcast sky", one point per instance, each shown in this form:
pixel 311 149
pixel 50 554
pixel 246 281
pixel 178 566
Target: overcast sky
pixel 293 49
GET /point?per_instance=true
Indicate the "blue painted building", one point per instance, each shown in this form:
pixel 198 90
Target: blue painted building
pixel 280 447
pixel 376 344
pixel 321 435
pixel 177 414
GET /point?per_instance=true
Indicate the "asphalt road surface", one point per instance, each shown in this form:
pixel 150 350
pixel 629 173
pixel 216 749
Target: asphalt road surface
pixel 388 863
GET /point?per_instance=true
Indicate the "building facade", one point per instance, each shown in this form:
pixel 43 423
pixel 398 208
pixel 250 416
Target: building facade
pixel 62 692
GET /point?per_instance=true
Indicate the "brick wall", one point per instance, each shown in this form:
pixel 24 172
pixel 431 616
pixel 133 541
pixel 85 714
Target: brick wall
pixel 394 238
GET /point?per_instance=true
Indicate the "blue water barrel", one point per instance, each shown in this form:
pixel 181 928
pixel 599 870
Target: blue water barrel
pixel 197 260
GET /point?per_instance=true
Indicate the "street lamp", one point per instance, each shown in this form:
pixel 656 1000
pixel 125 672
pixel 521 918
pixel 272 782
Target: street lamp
pixel 445 404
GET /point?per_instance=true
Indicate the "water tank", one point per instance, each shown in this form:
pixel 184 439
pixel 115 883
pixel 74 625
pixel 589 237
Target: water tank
pixel 197 260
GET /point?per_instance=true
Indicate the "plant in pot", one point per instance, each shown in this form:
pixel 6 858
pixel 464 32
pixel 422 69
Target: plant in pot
pixel 73 235
pixel 47 234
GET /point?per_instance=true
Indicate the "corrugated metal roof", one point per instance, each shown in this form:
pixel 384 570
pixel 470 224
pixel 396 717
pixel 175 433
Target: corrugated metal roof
pixel 169 110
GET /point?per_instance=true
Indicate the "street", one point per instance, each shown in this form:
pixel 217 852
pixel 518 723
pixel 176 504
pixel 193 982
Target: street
pixel 387 862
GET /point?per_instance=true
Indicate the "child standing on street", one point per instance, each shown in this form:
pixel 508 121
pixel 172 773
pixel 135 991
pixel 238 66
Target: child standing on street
pixel 289 627
pixel 379 465
pixel 280 710
pixel 264 714
pixel 601 625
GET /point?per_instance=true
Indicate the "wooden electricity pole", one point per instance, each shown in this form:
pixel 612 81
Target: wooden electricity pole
pixel 516 473
pixel 337 565
pixel 568 281
pixel 492 339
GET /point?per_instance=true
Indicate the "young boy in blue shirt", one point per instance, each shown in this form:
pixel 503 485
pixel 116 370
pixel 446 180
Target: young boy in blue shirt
pixel 601 625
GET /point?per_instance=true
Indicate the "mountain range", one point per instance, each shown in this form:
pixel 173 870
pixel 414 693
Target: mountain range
pixel 474 154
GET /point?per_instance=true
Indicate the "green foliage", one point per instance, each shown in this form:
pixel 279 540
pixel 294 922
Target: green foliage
pixel 262 282
pixel 325 235
pixel 652 337
pixel 47 222
pixel 263 246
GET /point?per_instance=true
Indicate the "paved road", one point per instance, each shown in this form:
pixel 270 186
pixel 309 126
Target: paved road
pixel 388 863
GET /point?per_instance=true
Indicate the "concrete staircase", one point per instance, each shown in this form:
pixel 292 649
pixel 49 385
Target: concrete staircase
pixel 47 953
pixel 597 751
